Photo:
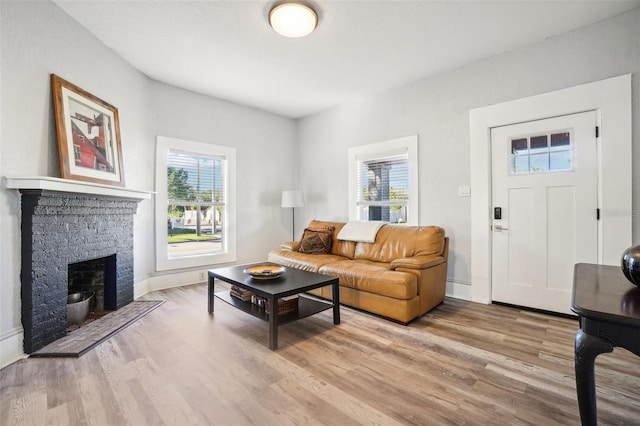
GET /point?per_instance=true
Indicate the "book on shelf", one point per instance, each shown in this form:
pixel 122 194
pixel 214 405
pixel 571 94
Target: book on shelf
pixel 261 302
pixel 240 293
pixel 243 297
pixel 285 304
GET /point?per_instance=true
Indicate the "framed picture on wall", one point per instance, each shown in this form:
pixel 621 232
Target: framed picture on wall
pixel 88 135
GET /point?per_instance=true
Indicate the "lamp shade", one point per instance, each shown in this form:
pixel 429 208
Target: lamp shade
pixel 292 199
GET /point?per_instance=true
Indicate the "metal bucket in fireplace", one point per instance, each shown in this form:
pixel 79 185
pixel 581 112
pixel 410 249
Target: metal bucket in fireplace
pixel 78 306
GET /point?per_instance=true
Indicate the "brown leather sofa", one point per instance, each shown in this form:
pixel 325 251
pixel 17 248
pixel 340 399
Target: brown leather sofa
pixel 401 276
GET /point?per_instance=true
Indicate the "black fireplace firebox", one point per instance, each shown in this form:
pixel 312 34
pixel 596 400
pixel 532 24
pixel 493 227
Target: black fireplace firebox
pixel 97 277
pixel 62 228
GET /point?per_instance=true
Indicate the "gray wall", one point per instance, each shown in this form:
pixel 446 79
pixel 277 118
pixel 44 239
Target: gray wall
pixel 437 109
pixel 264 154
pixel 37 39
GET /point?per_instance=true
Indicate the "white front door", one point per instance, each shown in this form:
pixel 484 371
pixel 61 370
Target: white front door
pixel 544 197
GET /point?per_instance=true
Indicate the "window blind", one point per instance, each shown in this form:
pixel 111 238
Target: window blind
pixel 195 179
pixel 383 181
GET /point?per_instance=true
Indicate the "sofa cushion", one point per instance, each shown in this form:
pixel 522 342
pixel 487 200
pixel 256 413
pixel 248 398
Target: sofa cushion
pixel 338 247
pixel 373 277
pixel 306 262
pixel 316 241
pixel 397 241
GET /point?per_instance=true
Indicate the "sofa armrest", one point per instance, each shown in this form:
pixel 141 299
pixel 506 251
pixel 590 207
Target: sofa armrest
pixel 290 245
pixel 418 262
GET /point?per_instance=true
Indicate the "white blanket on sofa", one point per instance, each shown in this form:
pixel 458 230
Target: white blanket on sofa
pixel 360 231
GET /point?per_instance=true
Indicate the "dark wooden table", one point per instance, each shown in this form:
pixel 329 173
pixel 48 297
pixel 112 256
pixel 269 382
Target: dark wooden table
pixel 609 309
pixel 293 281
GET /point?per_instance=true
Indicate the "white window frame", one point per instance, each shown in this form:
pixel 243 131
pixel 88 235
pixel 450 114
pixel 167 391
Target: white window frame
pixel 228 253
pixel 384 149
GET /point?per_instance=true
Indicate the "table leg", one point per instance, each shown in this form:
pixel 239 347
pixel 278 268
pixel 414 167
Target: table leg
pixel 587 348
pixel 210 293
pixel 273 323
pixel 336 303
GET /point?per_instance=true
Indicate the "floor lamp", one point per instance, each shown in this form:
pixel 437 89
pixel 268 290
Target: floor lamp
pixel 292 199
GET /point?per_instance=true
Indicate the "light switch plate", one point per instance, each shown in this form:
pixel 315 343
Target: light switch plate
pixel 464 191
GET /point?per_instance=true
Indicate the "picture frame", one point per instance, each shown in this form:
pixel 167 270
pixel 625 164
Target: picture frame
pixel 88 131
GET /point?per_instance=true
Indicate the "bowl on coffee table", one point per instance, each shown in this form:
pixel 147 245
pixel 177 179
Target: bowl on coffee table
pixel 265 271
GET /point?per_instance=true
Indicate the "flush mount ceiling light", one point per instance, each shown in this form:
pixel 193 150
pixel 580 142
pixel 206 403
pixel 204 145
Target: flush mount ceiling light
pixel 293 19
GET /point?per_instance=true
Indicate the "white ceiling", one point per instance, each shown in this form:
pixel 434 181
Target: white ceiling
pixel 226 48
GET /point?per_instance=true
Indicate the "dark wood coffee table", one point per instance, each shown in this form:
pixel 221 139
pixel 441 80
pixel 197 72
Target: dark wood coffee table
pixel 293 281
pixel 609 310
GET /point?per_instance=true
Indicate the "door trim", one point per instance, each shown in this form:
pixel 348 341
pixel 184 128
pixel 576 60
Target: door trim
pixel 611 99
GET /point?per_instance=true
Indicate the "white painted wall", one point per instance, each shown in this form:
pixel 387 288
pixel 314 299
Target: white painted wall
pixel 37 39
pixel 437 109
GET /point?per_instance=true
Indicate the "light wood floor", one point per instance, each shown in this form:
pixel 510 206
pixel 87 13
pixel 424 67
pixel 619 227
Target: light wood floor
pixel 463 363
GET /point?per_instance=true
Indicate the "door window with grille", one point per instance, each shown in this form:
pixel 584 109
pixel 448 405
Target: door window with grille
pixel 548 152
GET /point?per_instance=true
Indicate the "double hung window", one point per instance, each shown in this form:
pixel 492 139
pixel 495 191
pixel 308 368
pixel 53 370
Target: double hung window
pixel 194 204
pixel 383 181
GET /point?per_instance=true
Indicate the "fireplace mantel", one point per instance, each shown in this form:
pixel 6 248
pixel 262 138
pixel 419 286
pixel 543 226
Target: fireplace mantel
pixel 74 186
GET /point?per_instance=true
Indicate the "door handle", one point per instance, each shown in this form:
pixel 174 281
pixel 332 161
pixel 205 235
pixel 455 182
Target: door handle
pixel 500 228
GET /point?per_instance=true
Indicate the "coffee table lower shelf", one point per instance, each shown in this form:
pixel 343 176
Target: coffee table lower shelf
pixel 306 307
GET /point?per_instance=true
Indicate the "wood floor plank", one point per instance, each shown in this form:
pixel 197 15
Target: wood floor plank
pixel 462 363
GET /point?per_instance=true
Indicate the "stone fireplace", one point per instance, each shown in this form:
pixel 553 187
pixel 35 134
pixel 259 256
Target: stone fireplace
pixel 62 226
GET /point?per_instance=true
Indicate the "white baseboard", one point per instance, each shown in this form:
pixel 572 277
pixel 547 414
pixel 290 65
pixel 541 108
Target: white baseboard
pixel 161 282
pixel 458 289
pixel 481 300
pixel 11 349
pixel 140 288
pixel 178 279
